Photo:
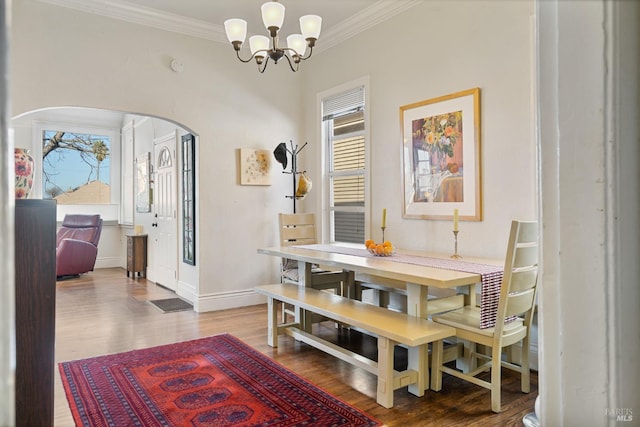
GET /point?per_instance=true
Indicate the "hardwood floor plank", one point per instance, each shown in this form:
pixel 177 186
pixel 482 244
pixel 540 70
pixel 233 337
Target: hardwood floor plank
pixel 105 312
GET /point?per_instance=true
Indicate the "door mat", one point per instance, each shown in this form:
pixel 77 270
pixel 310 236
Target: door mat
pixel 171 305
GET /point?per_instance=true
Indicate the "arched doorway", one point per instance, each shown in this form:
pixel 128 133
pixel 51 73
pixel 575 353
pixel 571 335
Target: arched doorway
pixel 134 136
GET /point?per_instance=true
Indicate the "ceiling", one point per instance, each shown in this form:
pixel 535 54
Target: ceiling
pixel 215 12
pixel 341 19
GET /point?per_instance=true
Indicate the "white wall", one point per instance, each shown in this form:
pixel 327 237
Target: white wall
pixel 488 45
pixel 589 139
pixel 7 196
pixel 231 106
pixel 227 103
pixel 625 326
pixel 435 49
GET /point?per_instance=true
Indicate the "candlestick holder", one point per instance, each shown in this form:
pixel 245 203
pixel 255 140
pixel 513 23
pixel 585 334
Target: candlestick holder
pixel 382 228
pixel 455 245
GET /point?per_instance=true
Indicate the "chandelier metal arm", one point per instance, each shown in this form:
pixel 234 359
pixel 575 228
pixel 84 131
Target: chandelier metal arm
pixel 275 54
pixel 236 46
pixel 291 65
pixel 261 58
pixel 264 65
pixel 244 60
pixel 304 58
pixel 296 58
pixel 311 42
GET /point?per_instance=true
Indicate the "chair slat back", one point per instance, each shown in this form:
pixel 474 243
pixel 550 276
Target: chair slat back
pixel 528 232
pixel 520 302
pixel 517 295
pixel 525 256
pixel 522 280
pixel 297 229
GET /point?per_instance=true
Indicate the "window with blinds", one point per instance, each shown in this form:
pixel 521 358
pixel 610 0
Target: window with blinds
pixel 343 120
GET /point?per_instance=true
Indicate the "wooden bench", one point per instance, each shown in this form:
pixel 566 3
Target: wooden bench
pixel 390 327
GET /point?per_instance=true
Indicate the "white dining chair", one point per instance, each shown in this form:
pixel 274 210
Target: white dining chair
pixel 300 229
pixel 516 303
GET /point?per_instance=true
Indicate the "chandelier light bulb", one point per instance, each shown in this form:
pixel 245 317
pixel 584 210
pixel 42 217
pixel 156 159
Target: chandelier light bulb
pixel 257 43
pixel 297 43
pixel 236 30
pixel 310 25
pixel 272 15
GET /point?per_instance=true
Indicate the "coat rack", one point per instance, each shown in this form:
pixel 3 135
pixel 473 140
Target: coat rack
pixel 293 152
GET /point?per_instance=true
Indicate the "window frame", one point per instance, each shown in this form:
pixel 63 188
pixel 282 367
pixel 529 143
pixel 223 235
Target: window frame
pixel 109 211
pixel 325 229
pixel 333 175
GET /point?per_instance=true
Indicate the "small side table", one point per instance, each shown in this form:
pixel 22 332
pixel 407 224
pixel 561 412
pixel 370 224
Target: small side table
pixel 137 254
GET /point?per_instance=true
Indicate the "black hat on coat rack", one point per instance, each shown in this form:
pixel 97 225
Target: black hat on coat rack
pixel 281 154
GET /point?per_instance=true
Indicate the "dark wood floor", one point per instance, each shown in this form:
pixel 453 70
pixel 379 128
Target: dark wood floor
pixel 105 312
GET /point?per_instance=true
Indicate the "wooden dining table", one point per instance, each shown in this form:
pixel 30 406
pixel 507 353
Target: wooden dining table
pixel 418 271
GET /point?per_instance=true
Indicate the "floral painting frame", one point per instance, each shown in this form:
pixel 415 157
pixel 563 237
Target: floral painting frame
pixel 442 158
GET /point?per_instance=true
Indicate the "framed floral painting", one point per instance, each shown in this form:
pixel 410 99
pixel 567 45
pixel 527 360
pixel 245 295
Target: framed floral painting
pixel 441 157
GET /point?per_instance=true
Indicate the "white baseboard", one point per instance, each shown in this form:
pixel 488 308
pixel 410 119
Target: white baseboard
pixel 226 300
pixel 108 262
pixel 186 291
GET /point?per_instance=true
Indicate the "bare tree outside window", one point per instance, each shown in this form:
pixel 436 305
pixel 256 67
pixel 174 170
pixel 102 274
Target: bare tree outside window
pixel 76 167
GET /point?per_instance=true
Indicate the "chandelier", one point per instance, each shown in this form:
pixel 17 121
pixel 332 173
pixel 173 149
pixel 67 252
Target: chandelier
pixel 264 48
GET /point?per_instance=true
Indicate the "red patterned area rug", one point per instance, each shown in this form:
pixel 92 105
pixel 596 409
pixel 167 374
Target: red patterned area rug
pixel 215 381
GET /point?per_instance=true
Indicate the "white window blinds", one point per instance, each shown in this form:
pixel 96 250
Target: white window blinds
pixel 343 103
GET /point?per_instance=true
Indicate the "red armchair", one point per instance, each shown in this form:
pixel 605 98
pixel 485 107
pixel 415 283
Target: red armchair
pixel 77 244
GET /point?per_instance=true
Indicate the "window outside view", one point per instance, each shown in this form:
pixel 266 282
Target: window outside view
pixel 76 167
pixel 347 175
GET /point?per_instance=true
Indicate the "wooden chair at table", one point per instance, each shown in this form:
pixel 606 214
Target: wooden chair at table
pixel 517 298
pixel 300 229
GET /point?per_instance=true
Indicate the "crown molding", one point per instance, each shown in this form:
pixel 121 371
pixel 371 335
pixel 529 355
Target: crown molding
pixel 150 17
pixel 373 15
pixel 378 12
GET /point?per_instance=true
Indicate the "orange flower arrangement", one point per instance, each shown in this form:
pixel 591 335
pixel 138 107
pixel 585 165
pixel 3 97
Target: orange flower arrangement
pixel 440 134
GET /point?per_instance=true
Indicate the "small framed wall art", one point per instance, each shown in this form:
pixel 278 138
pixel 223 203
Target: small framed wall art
pixel 255 166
